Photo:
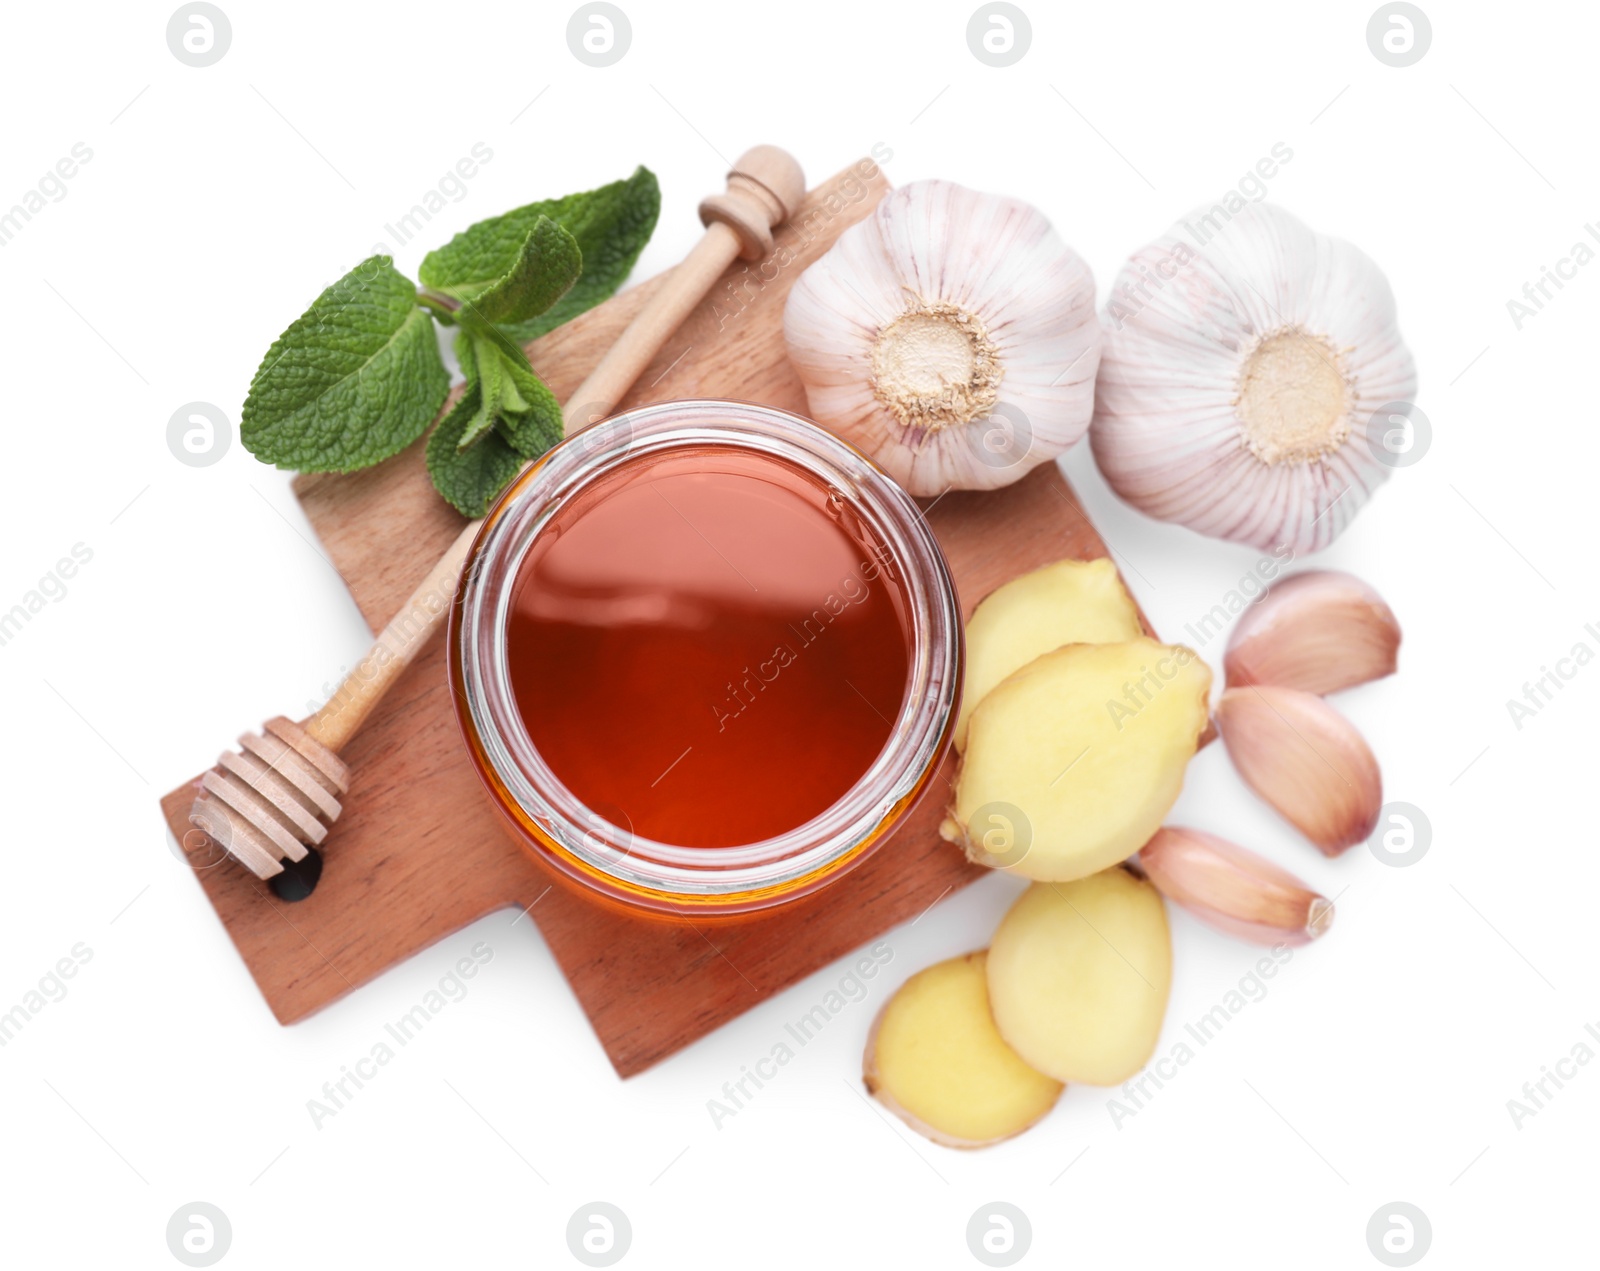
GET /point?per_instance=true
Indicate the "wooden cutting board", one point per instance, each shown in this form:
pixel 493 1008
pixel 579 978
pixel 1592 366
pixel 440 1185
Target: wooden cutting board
pixel 418 853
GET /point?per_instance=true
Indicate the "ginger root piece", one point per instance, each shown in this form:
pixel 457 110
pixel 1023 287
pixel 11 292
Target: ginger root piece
pixel 1069 602
pixel 1073 762
pixel 1079 975
pixel 935 1060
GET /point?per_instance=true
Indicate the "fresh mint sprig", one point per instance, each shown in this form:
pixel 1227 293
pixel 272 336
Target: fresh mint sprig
pixel 358 377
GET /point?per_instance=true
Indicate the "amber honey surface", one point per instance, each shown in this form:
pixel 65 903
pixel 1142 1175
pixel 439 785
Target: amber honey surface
pixel 708 647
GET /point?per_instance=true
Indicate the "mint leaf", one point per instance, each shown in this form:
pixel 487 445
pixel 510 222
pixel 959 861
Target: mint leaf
pixel 505 416
pixel 527 413
pixel 470 479
pixel 482 417
pixel 356 378
pixel 546 265
pixel 460 416
pixel 611 225
pixel 529 435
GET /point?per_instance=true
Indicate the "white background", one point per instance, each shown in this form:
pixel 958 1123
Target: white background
pixel 221 200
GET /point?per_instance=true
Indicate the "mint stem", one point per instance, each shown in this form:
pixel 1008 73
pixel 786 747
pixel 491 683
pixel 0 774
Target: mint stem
pixel 444 304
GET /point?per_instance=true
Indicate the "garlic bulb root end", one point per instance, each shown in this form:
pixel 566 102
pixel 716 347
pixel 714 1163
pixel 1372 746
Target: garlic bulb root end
pixel 935 367
pixel 1294 397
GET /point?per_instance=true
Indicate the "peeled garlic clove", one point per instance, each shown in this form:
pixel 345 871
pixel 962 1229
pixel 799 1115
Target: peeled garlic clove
pixel 1233 889
pixel 1306 760
pixel 1320 631
pixel 951 335
pixel 1245 356
pixel 1069 602
pixel 935 1059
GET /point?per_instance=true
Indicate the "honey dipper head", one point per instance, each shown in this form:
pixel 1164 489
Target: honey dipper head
pixel 271 799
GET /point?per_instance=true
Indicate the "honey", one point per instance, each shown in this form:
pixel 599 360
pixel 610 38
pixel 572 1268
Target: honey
pixel 707 648
pixel 705 658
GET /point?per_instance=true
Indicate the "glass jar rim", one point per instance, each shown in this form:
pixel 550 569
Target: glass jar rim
pixel 562 822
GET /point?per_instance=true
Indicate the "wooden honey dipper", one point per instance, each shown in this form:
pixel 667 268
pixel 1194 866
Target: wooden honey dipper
pixel 275 797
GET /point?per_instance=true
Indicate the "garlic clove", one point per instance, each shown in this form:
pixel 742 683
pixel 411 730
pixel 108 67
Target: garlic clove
pixel 1234 889
pixel 1306 760
pixel 951 335
pixel 1244 357
pixel 1319 631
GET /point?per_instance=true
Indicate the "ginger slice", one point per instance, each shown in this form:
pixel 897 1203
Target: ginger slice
pixel 1072 762
pixel 1069 602
pixel 1079 975
pixel 936 1060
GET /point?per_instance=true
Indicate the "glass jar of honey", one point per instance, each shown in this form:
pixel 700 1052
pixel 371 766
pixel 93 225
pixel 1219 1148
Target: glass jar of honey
pixel 705 656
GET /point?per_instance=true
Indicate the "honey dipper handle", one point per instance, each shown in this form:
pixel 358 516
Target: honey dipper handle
pixel 394 648
pixel 636 347
pixel 764 188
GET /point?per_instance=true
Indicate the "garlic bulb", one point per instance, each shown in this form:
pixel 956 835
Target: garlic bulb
pixel 951 335
pixel 1243 363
